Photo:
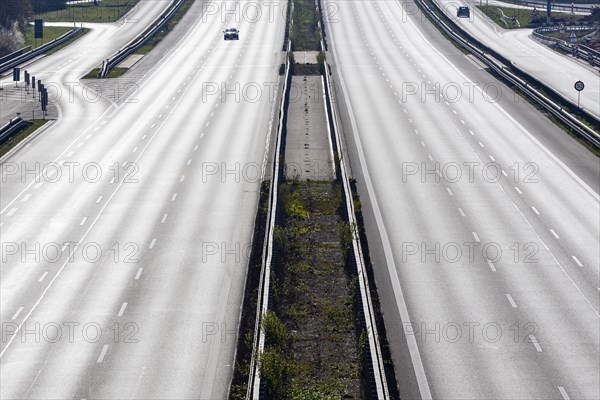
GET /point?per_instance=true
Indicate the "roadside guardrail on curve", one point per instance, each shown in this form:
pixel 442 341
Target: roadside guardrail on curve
pixel 139 41
pixel 18 57
pixel 490 58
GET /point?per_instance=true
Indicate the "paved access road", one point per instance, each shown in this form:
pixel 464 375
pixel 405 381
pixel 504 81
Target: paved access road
pixel 558 71
pixel 142 255
pixel 482 216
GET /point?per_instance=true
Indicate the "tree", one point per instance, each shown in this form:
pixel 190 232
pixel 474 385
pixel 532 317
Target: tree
pixel 40 6
pixel 12 11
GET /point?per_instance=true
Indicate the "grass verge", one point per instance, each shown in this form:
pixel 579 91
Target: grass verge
pixel 525 16
pixel 246 331
pixel 114 73
pixel 305 33
pixel 313 341
pixel 105 11
pixel 50 33
pixel 154 41
pixel 16 139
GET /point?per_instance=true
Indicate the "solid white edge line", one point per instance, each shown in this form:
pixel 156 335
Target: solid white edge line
pixel 413 347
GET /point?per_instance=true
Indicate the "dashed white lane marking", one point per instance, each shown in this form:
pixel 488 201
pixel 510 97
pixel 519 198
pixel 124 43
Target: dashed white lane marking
pixel 112 180
pixel 577 261
pixel 422 143
pixel 153 125
pixel 174 197
pixel 511 301
pixel 99 200
pixel 195 147
pixel 476 236
pixel 454 112
pixel 207 124
pixel 51 173
pixel 471 132
pixel 563 393
pixel 182 178
pixel 37 185
pixel 189 161
pixel 160 116
pixel 152 243
pixel 44 275
pixel 83 221
pixel 122 310
pixel 535 210
pixel 410 120
pixel 504 173
pixel 554 233
pixel 491 264
pixel 462 121
pixel 144 137
pixel 135 149
pixel 492 158
pixel 450 191
pixel 430 158
pixel 96 129
pixel 26 197
pixel 535 343
pixel 102 353
pixel 481 144
pixel 167 107
pixel 518 190
pixel 69 154
pixel 79 145
pixel 16 315
pixel 139 273
pixel 460 210
pixel 164 218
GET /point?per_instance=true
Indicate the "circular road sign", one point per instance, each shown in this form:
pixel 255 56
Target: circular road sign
pixel 579 86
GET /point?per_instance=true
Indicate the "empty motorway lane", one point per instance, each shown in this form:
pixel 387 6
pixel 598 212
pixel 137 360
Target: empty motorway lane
pixel 482 216
pixel 142 249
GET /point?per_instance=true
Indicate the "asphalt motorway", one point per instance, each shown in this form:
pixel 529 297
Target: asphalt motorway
pixel 125 250
pixel 482 216
pixel 558 71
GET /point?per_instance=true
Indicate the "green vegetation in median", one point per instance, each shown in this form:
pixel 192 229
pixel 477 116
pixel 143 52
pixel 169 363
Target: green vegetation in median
pixel 305 30
pixel 50 33
pixel 16 139
pixel 313 348
pixel 114 73
pixel 167 28
pixel 243 356
pixel 526 17
pixel 104 11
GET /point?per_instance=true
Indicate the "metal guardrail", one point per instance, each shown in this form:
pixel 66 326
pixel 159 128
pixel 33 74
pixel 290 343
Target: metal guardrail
pixel 13 126
pixel 556 6
pixel 19 59
pixel 15 54
pixel 491 60
pixel 139 41
pixel 584 52
pixel 376 370
pixel 262 304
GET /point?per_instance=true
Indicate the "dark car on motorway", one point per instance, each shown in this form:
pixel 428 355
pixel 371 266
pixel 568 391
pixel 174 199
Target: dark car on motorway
pixel 231 34
pixel 463 12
